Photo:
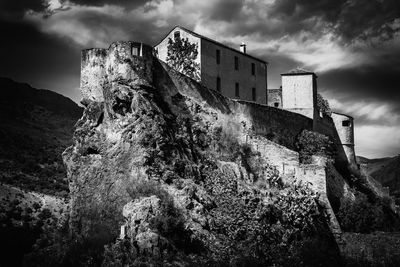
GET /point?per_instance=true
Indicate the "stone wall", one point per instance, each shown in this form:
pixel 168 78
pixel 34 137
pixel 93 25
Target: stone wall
pixel 275 98
pixel 299 93
pixel 93 73
pixel 229 76
pixel 118 62
pixel 278 125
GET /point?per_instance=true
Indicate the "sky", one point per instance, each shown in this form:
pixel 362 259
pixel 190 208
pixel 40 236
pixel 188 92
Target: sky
pixel 352 45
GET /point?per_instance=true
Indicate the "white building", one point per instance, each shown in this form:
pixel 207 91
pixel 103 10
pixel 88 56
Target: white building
pixel 233 73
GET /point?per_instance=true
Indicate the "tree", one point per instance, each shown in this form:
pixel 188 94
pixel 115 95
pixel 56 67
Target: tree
pixel 181 56
pixel 323 105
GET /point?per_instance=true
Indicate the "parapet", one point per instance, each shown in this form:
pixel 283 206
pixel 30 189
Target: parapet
pixel 124 61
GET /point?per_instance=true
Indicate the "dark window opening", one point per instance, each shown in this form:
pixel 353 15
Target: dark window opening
pixel 218 84
pixel 218 56
pixel 253 69
pixel 346 123
pixel 236 89
pixel 177 35
pixel 236 63
pixel 253 94
pixel 276 104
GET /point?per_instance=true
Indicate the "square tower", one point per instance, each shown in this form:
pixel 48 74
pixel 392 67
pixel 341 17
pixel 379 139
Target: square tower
pixel 299 92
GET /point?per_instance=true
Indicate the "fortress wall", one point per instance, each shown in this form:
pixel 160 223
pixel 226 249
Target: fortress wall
pixel 315 175
pixel 131 62
pixel 345 132
pixel 274 97
pixel 278 125
pixel 93 74
pixel 287 163
pixel 343 136
pixel 122 61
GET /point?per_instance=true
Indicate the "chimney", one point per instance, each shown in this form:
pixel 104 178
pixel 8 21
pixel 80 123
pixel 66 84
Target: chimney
pixel 243 48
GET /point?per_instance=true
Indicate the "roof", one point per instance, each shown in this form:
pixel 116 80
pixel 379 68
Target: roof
pixel 298 71
pixel 344 115
pixel 210 40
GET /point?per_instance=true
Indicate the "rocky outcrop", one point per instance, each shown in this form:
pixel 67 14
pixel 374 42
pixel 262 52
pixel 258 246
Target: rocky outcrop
pixel 165 158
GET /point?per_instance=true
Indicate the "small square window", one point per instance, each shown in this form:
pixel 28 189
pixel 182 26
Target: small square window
pixel 218 56
pixel 346 123
pixel 253 69
pixel 237 90
pixel 135 51
pixel 276 104
pixel 236 63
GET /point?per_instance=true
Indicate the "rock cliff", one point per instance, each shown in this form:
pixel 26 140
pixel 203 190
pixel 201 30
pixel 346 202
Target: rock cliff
pixel 168 166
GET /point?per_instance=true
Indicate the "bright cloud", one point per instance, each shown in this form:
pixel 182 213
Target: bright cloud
pixel 376 141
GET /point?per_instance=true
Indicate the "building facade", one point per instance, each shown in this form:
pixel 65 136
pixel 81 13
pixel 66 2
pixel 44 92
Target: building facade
pixel 299 92
pixel 234 73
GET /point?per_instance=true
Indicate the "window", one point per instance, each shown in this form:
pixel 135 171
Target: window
pixel 253 94
pixel 177 35
pixel 276 104
pixel 135 51
pixel 253 69
pixel 236 63
pixel 236 89
pixel 218 56
pixel 218 84
pixel 346 123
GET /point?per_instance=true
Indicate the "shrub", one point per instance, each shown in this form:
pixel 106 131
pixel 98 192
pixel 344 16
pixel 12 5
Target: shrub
pixel 255 229
pixel 323 105
pixel 362 216
pixel 310 143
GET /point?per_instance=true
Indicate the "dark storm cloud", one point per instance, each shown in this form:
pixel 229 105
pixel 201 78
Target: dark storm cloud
pixel 226 10
pixel 371 82
pixel 16 9
pixel 129 4
pixel 348 18
pixel 28 55
pixel 372 85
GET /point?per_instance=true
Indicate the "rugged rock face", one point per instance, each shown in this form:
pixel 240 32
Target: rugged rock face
pixel 169 161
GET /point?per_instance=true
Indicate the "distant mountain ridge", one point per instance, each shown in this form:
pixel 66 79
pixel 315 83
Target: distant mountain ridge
pixel 36 127
pixel 386 171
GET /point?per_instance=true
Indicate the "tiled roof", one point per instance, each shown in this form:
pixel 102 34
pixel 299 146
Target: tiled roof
pixel 210 40
pixel 298 71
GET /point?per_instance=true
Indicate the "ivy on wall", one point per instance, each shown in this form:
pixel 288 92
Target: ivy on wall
pixel 181 56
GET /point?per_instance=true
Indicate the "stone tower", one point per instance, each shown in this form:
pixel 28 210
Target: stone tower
pixel 299 92
pixel 344 125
